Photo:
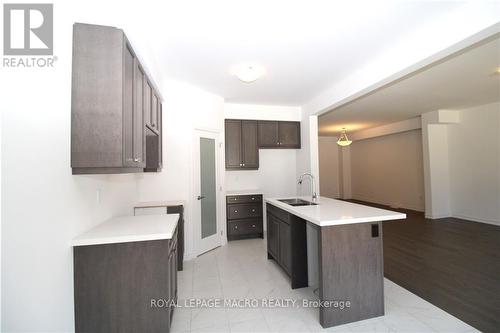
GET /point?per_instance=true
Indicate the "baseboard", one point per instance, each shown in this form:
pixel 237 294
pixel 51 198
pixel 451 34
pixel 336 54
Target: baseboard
pixel 463 217
pixel 389 204
pixel 475 219
pixel 435 217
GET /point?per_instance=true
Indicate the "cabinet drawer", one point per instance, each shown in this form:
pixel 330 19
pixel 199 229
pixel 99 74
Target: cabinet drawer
pixel 279 213
pixel 244 227
pixel 230 199
pixel 242 211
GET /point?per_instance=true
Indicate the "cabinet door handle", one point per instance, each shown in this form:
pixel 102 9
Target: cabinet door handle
pixel 253 210
pixel 235 227
pixel 236 211
pixel 243 164
pixel 253 198
pixel 253 225
pixel 137 159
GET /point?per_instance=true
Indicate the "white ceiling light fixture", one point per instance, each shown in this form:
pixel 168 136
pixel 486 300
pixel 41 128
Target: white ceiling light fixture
pixel 343 139
pixel 248 72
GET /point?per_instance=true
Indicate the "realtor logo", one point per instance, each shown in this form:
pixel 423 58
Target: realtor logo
pixel 28 29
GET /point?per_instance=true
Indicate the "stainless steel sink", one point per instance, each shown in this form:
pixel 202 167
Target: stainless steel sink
pixel 297 202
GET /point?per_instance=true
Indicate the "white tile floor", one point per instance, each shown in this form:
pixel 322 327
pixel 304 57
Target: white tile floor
pixel 241 270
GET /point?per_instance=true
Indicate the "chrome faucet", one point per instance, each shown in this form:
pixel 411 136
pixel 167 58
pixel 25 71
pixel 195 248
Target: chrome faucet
pixel 313 184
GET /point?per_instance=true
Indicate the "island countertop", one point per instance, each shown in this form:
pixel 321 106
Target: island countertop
pixel 130 229
pixel 330 212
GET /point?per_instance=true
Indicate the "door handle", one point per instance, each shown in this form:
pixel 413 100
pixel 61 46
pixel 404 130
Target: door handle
pixel 200 197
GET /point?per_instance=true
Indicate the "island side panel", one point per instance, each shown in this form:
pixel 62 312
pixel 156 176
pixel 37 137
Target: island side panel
pixel 114 285
pixel 351 269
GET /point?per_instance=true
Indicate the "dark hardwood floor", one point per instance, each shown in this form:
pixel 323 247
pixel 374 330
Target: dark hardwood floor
pixel 452 263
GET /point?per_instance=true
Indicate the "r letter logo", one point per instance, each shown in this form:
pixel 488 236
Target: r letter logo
pixel 28 29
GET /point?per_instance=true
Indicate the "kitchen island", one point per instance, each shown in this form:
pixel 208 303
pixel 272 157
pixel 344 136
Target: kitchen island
pixel 121 268
pixel 351 270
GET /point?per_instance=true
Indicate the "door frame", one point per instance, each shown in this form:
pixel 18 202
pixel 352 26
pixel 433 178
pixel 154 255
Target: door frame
pixel 195 211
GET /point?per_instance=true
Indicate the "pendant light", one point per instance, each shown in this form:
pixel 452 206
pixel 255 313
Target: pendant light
pixel 343 139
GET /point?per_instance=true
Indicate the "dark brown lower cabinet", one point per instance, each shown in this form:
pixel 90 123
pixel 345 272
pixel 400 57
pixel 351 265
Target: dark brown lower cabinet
pixel 350 264
pixel 287 244
pixel 244 216
pixel 179 209
pixel 125 287
pixel 173 268
pixel 273 234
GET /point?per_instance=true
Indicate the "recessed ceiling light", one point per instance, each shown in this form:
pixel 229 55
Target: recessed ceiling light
pixel 248 72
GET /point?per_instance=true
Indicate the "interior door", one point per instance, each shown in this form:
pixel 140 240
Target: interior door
pixel 206 179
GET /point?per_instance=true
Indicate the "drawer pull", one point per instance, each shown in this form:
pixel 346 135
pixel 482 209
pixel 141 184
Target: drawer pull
pixel 253 225
pixel 236 211
pixel 253 198
pixel 253 210
pixel 235 227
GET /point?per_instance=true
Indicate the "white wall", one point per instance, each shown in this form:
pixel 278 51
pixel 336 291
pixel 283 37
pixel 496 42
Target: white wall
pixel 389 170
pixel 43 205
pixel 276 175
pixel 262 112
pixel 308 161
pixel 474 164
pixel 460 28
pixel 185 109
pixel 1 201
pixel 330 171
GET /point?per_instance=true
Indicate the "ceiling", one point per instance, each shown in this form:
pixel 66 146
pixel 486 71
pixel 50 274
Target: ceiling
pixel 305 46
pixel 460 81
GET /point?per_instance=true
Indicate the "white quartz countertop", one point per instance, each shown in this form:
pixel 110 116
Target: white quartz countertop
pixel 130 229
pixel 330 212
pixel 243 192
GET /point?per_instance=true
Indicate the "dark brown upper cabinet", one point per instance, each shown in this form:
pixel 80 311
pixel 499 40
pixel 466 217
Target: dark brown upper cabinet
pixel 241 144
pixel 154 112
pixel 268 134
pixel 279 134
pixel 111 104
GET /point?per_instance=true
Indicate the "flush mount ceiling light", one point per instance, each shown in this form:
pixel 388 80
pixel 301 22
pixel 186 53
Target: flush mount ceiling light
pixel 343 139
pixel 248 72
